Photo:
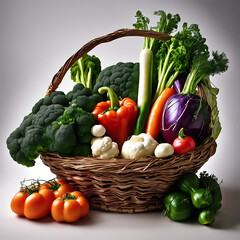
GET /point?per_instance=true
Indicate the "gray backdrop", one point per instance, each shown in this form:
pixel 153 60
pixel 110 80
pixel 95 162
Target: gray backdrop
pixel 36 37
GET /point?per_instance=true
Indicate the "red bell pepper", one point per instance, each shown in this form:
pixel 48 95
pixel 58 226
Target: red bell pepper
pixel 183 144
pixel 118 117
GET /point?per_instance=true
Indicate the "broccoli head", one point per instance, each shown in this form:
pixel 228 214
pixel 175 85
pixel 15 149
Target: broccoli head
pixel 82 150
pixel 83 97
pixel 63 138
pixel 71 131
pixel 57 97
pixel 29 138
pixel 47 114
pixel 122 78
pixel 82 121
pixel 58 123
pixel 34 141
pixel 14 145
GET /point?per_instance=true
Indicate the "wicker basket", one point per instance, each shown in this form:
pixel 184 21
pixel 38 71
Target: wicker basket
pixel 123 185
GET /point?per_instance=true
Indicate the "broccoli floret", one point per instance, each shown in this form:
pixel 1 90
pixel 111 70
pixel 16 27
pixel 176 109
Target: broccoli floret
pixel 27 121
pixel 84 125
pixel 57 97
pixel 55 124
pixel 14 145
pixel 33 142
pixel 71 130
pixel 29 138
pixel 82 121
pixel 14 142
pixel 63 138
pixel 122 78
pixel 47 114
pixel 16 139
pixel 82 150
pixel 84 98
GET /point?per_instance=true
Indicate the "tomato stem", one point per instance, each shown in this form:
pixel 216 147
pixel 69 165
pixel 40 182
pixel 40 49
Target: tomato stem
pixel 68 197
pixel 53 184
pixel 181 134
pixel 33 187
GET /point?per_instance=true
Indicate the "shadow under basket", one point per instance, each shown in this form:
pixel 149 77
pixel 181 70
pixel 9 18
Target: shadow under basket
pixel 123 185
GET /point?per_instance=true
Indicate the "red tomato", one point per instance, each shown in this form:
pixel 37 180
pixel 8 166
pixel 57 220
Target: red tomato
pixel 183 144
pixel 59 187
pixel 70 208
pixel 35 205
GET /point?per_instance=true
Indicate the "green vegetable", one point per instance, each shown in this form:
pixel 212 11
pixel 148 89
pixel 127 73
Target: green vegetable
pixel 82 150
pixel 202 66
pixel 173 60
pixel 57 97
pixel 167 23
pixel 210 182
pixel 178 206
pixel 122 78
pixel 47 114
pixel 82 121
pixel 203 193
pixel 189 183
pixel 55 124
pixel 192 39
pixel 63 138
pixel 71 130
pixel 206 216
pixel 29 138
pixel 176 54
pixel 84 98
pixel 86 70
pixel 211 97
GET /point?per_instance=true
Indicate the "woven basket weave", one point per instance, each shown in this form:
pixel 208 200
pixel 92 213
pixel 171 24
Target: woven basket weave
pixel 123 185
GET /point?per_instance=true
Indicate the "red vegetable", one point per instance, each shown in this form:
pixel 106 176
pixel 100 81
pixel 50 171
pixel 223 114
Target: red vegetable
pixel 32 202
pixel 118 117
pixel 70 207
pixel 59 187
pixel 183 144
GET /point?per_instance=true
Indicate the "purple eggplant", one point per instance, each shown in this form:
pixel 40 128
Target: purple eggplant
pixel 187 111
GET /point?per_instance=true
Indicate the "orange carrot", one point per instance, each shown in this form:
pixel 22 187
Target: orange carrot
pixel 155 116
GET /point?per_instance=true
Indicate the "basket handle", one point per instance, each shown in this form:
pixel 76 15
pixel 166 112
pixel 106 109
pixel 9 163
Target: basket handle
pixel 57 79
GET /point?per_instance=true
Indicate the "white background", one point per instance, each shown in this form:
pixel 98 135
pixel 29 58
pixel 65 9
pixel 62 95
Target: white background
pixel 36 38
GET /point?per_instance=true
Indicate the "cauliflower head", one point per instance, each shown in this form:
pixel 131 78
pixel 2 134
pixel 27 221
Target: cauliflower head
pixel 104 148
pixel 139 146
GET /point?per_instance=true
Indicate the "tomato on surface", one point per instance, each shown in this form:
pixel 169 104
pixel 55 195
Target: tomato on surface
pixel 70 207
pixel 18 202
pixel 32 202
pixel 59 187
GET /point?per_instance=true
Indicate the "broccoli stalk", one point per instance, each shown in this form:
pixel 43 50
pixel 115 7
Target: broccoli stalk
pixel 86 70
pixel 166 24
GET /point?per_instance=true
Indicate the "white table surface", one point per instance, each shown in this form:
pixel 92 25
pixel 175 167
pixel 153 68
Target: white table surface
pixel 104 225
pixel 36 39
